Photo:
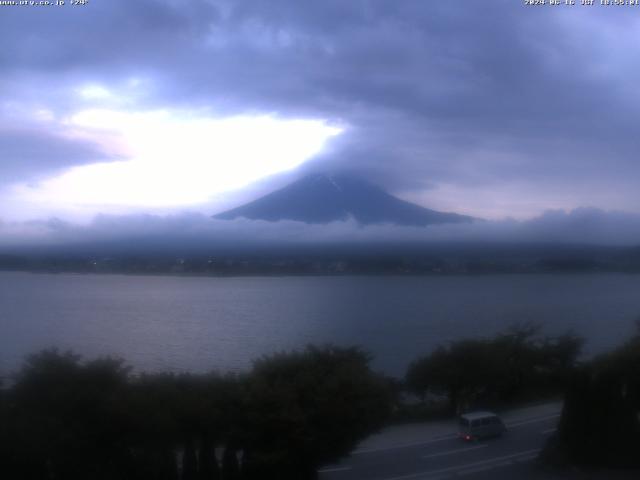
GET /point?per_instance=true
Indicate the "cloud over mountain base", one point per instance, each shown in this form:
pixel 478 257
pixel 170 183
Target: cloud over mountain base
pixel 199 233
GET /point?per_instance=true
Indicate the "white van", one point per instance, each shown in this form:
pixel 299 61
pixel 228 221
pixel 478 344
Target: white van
pixel 477 425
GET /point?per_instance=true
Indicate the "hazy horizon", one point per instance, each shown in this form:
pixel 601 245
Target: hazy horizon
pixel 201 233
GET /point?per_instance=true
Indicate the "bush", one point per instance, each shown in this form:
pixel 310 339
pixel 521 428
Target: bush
pixel 64 418
pixel 599 425
pixel 513 365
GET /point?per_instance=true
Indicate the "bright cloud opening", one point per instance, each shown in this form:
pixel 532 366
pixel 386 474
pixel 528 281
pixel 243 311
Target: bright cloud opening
pixel 94 92
pixel 177 159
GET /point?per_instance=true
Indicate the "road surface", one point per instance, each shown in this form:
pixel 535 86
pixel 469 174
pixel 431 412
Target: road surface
pixel 432 451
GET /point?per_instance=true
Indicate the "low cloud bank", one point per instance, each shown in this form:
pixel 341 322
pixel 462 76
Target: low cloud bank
pixel 585 226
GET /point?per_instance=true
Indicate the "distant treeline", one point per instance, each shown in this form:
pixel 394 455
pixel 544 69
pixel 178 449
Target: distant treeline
pixel 401 261
pixel 64 418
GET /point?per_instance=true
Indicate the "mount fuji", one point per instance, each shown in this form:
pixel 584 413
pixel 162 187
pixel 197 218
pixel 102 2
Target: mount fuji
pixel 323 198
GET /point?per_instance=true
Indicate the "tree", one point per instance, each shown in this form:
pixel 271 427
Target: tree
pixel 462 371
pixel 207 462
pixel 230 465
pixel 501 368
pixel 599 425
pixel 311 407
pixel 67 417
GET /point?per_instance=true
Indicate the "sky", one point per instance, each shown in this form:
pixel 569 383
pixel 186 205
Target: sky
pixel 156 107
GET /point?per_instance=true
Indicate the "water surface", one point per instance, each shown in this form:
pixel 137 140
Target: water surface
pixel 200 323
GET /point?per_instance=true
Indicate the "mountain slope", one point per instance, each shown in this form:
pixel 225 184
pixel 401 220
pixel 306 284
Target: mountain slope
pixel 324 198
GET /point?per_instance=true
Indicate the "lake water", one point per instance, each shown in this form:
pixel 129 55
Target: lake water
pixel 201 323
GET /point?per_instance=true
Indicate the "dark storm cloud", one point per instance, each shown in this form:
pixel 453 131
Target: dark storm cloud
pixel 104 36
pixel 34 154
pixel 479 96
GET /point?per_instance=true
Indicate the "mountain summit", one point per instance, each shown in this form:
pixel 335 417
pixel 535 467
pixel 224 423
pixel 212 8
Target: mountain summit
pixel 324 198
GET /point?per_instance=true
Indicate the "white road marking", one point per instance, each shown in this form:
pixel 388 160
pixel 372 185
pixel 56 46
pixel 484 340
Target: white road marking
pixel 469 471
pixel 548 430
pixel 526 458
pixel 457 450
pixel 533 420
pixel 458 468
pixel 405 445
pixel 336 469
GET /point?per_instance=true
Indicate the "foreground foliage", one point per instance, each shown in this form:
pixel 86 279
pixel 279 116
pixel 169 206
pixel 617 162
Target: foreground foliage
pixel 68 419
pixel 514 365
pixel 600 422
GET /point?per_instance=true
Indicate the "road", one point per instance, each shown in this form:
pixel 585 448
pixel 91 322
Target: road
pixel 434 452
